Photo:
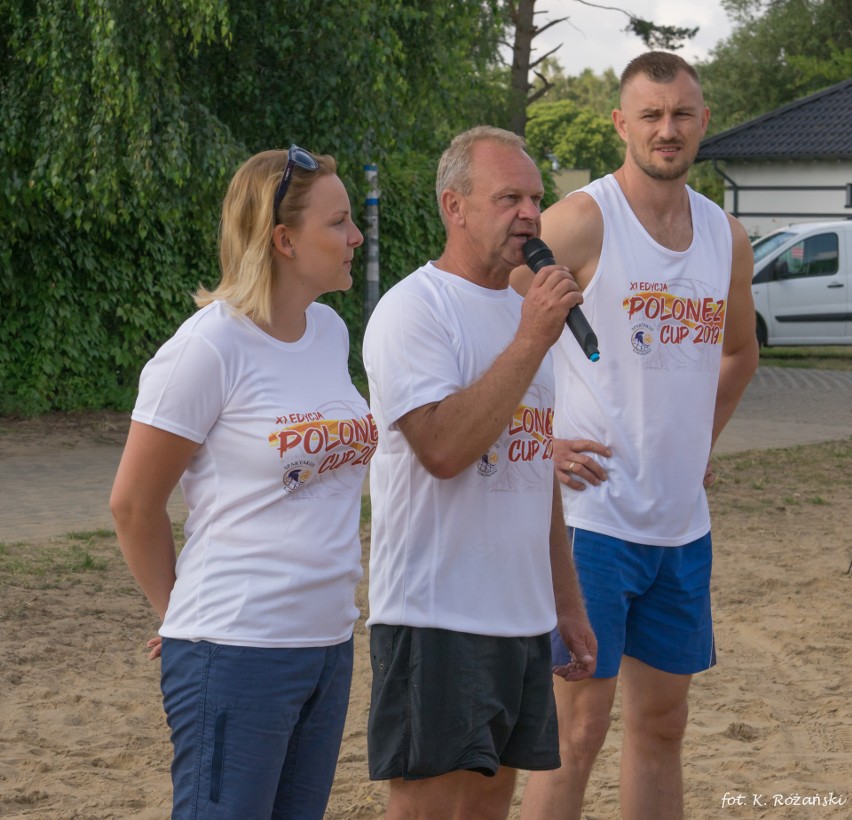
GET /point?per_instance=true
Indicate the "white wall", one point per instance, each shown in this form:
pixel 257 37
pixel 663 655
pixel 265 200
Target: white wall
pixel 764 211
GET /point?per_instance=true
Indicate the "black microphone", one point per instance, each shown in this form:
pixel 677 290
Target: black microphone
pixel 537 256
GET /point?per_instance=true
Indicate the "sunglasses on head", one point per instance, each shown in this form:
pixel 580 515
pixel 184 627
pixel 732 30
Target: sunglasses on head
pixel 295 156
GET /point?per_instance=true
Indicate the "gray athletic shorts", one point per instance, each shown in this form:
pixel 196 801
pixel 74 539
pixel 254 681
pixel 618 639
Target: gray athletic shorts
pixel 446 701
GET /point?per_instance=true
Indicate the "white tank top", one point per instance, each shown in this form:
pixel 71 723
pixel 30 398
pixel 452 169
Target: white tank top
pixel 659 316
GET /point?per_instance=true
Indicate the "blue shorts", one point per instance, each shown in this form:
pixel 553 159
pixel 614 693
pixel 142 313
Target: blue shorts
pixel 256 732
pixel 650 603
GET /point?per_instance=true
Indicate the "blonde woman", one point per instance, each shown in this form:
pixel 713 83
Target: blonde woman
pixel 251 407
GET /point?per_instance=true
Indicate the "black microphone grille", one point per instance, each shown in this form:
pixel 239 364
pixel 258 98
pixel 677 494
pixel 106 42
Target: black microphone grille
pixel 537 254
pixel 532 245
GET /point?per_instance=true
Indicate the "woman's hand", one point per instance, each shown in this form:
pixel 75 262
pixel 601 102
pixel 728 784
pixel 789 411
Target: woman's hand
pixel 156 647
pixel 709 476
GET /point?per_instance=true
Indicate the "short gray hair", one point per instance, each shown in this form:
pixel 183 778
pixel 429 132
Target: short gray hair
pixel 454 166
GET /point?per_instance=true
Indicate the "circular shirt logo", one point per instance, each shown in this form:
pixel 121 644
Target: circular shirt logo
pixel 296 475
pixel 642 339
pixel 487 464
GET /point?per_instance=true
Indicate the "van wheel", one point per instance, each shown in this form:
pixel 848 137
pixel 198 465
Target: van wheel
pixel 761 332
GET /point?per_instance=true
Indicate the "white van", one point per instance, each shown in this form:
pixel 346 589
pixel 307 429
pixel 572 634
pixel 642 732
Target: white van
pixel 802 284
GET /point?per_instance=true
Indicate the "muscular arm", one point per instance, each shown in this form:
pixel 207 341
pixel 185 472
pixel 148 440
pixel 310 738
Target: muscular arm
pixel 740 352
pixel 151 465
pixel 573 229
pixel 449 435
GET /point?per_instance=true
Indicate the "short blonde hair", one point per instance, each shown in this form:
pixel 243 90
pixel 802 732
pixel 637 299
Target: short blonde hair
pixel 454 168
pixel 245 230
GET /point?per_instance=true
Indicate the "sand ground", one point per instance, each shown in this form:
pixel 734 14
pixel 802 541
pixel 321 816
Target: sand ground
pixel 82 734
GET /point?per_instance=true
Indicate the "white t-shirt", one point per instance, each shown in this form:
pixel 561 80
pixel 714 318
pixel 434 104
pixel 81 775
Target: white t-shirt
pixel 659 315
pixel 470 553
pixel 272 556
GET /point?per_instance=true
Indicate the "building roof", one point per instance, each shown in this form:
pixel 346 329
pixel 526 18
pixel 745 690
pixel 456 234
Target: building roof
pixel 815 127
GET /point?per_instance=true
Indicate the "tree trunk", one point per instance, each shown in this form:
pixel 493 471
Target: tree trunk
pixel 522 17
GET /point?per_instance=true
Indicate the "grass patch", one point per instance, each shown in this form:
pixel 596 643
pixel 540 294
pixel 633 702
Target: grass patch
pixel 818 357
pixel 81 560
pixel 88 535
pixel 52 565
pixel 812 474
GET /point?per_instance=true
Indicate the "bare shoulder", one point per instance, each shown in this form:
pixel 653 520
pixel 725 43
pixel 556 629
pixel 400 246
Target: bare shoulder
pixel 742 263
pixel 573 228
pixel 574 213
pixel 738 230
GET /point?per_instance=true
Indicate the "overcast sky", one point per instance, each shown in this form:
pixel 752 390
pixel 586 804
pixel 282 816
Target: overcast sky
pixel 593 37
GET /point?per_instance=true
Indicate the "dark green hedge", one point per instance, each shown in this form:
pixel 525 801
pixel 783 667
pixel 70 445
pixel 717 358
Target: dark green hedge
pixel 83 310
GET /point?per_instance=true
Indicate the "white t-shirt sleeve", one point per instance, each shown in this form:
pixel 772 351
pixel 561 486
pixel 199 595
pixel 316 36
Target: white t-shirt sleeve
pixel 410 355
pixel 183 388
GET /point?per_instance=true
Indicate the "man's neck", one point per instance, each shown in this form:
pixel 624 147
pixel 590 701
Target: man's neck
pixel 474 270
pixel 662 206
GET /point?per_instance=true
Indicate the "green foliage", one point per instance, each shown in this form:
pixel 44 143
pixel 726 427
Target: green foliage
pixel 656 36
pixel 595 92
pixel 410 233
pixel 79 330
pixel 704 179
pixel 778 51
pixel 361 80
pixel 111 177
pixel 832 66
pixel 578 138
pixel 123 121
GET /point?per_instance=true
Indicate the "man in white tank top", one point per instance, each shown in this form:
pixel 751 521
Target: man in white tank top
pixel 666 280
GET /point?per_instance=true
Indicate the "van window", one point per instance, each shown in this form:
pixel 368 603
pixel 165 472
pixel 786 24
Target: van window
pixel 764 246
pixel 814 256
